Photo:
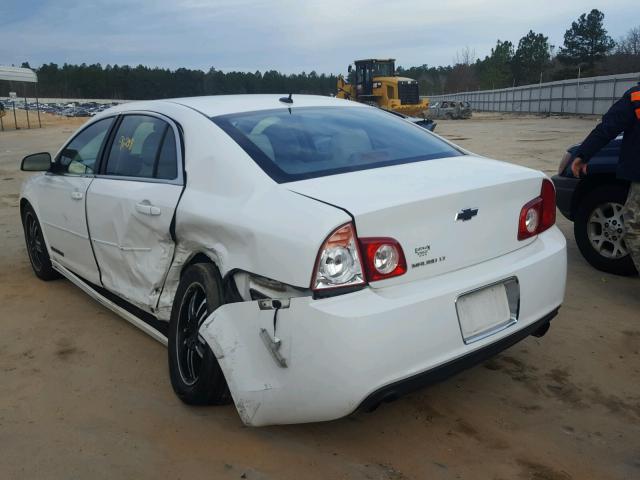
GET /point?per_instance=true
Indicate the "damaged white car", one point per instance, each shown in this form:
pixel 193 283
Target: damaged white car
pixel 303 256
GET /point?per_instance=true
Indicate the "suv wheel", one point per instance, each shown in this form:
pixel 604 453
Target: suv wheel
pixel 599 230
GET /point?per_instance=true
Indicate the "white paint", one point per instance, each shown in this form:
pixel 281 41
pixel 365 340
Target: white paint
pixel 338 350
pixel 341 349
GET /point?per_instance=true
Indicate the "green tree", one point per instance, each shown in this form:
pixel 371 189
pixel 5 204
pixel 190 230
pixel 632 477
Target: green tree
pixel 531 58
pixel 495 70
pixel 586 41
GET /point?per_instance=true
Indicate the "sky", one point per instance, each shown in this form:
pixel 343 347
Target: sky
pixel 284 35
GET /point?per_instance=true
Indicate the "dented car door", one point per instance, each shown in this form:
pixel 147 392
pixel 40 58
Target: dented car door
pixel 130 208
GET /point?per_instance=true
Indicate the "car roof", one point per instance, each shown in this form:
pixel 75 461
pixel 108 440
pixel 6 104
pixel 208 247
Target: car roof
pixel 216 105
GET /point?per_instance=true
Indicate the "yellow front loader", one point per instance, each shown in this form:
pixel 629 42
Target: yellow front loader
pixel 375 83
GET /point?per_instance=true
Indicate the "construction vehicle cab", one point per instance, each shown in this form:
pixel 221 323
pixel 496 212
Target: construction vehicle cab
pixel 375 82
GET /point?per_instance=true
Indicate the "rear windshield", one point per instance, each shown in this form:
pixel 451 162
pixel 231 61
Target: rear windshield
pixel 308 142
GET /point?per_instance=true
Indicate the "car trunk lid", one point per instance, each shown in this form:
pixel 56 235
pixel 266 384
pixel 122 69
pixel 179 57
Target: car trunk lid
pixel 446 214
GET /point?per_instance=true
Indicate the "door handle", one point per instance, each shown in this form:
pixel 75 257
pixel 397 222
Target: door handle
pixel 146 208
pixel 76 195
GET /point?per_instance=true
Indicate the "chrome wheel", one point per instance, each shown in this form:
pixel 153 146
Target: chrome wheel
pixel 35 242
pixel 605 230
pixel 190 346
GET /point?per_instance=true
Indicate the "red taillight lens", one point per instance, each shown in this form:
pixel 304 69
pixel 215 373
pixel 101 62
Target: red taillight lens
pixel 383 258
pixel 539 214
pixel 548 195
pixel 344 261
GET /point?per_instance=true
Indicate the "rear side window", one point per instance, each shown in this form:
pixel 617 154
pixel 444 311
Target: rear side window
pixel 143 146
pixel 307 142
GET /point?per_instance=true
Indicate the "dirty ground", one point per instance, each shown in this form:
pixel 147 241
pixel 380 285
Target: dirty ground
pixel 86 395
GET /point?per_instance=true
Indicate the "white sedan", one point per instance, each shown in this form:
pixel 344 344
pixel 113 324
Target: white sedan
pixel 303 256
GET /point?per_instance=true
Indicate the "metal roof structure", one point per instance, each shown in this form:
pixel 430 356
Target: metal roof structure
pixel 17 74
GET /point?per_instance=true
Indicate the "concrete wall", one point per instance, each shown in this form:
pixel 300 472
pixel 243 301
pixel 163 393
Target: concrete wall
pixel 592 95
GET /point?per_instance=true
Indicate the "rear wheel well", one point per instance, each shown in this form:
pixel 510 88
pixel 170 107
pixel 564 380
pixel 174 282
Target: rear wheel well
pixel 229 287
pixel 589 184
pixel 197 258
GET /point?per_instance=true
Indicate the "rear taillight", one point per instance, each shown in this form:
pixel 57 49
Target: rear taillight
pixel 338 264
pixel 345 262
pixel 539 214
pixel 383 258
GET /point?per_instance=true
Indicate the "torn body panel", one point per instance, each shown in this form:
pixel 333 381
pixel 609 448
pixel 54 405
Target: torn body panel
pixel 282 250
pixel 339 350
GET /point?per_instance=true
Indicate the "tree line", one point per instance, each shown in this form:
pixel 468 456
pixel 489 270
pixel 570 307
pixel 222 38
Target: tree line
pixel 142 82
pixel 587 50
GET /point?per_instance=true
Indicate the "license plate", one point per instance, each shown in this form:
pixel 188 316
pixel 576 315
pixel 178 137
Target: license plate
pixel 484 312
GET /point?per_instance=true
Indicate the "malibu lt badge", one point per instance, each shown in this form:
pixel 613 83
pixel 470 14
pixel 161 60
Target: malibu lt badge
pixel 466 214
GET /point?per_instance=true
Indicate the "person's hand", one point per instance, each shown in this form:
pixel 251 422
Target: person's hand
pixel 578 167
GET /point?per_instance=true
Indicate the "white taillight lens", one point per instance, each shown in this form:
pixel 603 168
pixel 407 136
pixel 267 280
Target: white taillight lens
pixel 532 219
pixel 386 259
pixel 338 262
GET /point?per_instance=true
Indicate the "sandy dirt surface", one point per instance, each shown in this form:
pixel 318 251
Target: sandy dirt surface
pixel 30 121
pixel 83 394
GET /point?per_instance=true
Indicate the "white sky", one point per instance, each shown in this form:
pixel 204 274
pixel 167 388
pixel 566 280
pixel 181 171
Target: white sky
pixel 289 36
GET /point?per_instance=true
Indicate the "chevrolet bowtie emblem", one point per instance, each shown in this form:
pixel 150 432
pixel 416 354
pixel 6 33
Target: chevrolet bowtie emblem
pixel 466 214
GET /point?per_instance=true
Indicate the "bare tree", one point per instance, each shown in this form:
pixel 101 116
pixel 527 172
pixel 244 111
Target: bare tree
pixel 466 56
pixel 630 43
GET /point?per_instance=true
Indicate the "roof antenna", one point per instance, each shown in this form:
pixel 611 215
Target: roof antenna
pixel 287 99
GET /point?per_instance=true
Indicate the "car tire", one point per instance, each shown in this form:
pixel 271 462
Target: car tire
pixel 608 199
pixel 196 376
pixel 36 246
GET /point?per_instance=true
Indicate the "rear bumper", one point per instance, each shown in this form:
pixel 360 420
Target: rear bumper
pixel 442 372
pixel 565 188
pixel 351 350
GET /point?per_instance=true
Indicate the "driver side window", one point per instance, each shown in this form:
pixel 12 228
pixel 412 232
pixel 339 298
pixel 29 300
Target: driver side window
pixel 80 155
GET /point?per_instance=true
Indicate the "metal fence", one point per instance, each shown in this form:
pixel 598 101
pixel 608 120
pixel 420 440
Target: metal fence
pixel 591 95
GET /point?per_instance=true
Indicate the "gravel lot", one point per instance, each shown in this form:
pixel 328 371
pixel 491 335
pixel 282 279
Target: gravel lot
pixel 85 395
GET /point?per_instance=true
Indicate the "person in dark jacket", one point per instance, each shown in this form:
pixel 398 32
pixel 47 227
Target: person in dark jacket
pixel 623 116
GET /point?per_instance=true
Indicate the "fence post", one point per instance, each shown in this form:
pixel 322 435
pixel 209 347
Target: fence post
pixel 26 109
pixel 593 97
pixel 15 120
pixel 38 105
pixel 613 93
pixel 562 98
pixel 540 93
pixel 577 91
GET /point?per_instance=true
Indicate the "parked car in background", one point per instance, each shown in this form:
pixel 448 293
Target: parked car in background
pixel 421 121
pixel 303 256
pixel 594 204
pixel 450 110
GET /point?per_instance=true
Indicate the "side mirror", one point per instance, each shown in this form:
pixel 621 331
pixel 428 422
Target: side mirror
pixel 37 162
pixel 349 68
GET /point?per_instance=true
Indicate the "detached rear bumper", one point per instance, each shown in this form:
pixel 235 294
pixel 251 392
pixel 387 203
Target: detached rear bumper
pixel 352 350
pixel 565 187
